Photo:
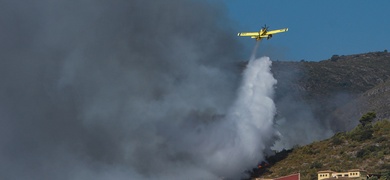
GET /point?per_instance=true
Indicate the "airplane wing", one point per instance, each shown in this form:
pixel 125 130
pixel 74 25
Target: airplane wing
pixel 251 34
pixel 276 31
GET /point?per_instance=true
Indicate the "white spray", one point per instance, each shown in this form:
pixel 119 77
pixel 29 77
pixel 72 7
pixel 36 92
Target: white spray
pixel 252 114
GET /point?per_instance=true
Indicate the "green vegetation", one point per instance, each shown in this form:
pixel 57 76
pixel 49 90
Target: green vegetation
pixel 365 147
pixel 361 133
pixel 367 118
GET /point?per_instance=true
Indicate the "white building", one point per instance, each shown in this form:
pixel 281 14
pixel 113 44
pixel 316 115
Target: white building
pixel 351 174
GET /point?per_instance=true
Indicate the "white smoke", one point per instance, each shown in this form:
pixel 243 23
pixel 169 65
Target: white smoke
pixel 253 115
pixel 255 108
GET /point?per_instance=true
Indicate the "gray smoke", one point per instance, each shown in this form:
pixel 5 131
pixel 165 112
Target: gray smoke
pixel 298 119
pixel 114 89
pixel 298 124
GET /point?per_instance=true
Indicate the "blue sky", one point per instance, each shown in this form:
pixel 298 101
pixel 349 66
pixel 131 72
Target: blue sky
pixel 317 29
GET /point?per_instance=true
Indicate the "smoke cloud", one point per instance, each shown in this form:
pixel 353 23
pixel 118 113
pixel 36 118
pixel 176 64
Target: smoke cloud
pixel 300 118
pixel 127 90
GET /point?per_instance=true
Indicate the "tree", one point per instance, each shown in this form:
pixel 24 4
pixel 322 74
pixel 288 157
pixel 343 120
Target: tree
pixel 367 118
pixel 334 57
pixel 373 178
pixel 361 133
pixel 386 175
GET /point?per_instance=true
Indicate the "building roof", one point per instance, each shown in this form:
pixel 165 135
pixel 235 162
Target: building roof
pixel 296 176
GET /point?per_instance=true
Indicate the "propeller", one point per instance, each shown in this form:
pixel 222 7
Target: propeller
pixel 265 27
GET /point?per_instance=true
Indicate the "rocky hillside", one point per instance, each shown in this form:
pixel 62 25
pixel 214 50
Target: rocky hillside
pixel 376 99
pixel 365 147
pixel 329 87
pixel 352 73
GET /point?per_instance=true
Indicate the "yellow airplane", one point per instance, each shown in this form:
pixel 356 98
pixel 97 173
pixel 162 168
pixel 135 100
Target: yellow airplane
pixel 263 33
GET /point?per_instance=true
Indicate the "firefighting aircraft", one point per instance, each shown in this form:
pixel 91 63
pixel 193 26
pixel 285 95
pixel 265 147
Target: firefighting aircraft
pixel 263 33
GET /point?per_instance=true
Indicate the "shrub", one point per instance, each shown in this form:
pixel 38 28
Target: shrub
pixel 334 58
pixel 312 174
pixel 367 151
pixel 372 148
pixel 382 127
pixel 336 140
pixel 316 165
pixel 367 118
pixel 380 139
pixel 386 175
pixel 361 153
pixel 336 169
pixel 361 133
pixel 366 134
pixel 308 150
pixel 373 178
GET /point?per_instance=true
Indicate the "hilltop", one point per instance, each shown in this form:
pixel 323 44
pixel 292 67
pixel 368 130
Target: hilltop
pixel 352 73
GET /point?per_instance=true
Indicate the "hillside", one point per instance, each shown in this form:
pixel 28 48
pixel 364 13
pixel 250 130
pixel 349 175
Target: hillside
pixel 353 74
pixel 319 90
pixel 364 147
pixel 376 99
